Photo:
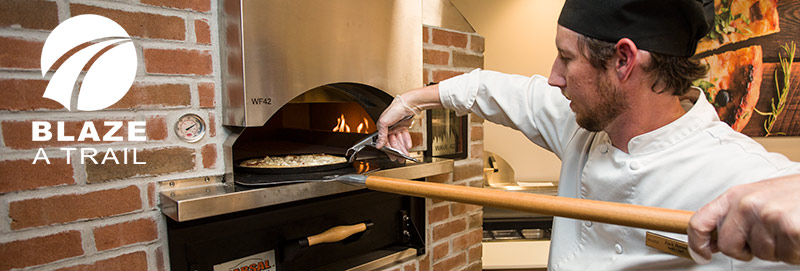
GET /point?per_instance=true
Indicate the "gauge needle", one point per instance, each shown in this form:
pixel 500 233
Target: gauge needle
pixel 190 127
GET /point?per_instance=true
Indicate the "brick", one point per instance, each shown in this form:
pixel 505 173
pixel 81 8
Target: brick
pixel 425 263
pixel 139 24
pixel 25 95
pixel 441 178
pixel 67 208
pixel 152 196
pixel 18 134
pixel 447 229
pixel 180 61
pixel 476 44
pixel 19 53
pixel 451 263
pixel 206 95
pixel 21 175
pixel 156 128
pixel 475 253
pixel 158 162
pixel 126 233
pixel 435 57
pixel 441 75
pixel 131 261
pixel 440 251
pixel 467 61
pixel 476 151
pixel 476 133
pixel 410 267
pixel 437 214
pixel 209 153
pixel 202 32
pixel 196 5
pixel 29 14
pixel 40 250
pixel 426 34
pixel 475 220
pixel 425 76
pixel 449 38
pixel 160 266
pixel 462 208
pixel 150 96
pixel 475 118
pixel 464 241
pixel 474 267
pixel 467 169
pixel 212 125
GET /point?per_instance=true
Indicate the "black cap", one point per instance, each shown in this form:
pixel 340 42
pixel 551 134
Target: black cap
pixel 670 27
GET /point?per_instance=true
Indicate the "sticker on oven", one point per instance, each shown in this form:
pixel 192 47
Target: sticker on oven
pixel 264 261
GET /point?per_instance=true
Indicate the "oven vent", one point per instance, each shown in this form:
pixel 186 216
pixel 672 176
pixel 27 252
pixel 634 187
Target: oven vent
pixel 275 50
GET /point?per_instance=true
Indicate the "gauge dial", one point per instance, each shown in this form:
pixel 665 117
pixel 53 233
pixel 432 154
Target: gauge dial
pixel 190 128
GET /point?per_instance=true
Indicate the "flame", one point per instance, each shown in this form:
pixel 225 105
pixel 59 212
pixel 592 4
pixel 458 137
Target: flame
pixel 363 126
pixel 342 127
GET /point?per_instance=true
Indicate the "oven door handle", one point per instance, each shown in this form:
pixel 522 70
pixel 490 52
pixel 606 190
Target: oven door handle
pixel 335 234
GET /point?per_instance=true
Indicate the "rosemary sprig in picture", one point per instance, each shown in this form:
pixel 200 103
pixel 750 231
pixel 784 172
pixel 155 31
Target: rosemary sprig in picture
pixel 782 89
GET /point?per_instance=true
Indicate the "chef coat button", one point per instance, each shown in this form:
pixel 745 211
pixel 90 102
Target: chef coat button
pixel 634 165
pixel 618 248
pixel 587 223
pixel 604 149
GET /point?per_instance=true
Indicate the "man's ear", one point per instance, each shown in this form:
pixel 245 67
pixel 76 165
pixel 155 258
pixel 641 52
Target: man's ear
pixel 625 58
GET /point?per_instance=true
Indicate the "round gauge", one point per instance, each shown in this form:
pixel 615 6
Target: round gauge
pixel 190 128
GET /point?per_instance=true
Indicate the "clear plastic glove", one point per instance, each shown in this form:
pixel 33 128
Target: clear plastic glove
pixel 393 129
pixel 760 219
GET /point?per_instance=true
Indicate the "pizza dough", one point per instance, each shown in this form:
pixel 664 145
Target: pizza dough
pixel 733 84
pixel 739 20
pixel 290 161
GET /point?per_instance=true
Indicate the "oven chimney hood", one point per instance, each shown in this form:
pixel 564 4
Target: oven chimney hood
pixel 275 50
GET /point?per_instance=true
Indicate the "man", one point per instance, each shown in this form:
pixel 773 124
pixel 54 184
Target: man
pixel 610 111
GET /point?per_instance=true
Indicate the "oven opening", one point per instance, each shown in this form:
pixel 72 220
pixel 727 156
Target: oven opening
pixel 325 120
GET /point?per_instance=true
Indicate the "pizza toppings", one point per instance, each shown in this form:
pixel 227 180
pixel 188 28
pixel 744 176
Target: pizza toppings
pixel 733 84
pixel 305 160
pixel 740 20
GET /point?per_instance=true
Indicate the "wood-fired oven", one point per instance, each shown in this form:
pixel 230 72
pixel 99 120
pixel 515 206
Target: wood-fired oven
pixel 306 76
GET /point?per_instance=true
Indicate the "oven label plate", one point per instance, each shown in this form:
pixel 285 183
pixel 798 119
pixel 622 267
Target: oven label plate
pixel 264 261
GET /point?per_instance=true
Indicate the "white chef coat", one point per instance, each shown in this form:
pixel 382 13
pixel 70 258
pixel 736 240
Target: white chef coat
pixel 682 165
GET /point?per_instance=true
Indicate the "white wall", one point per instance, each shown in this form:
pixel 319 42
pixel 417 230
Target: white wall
pixel 520 39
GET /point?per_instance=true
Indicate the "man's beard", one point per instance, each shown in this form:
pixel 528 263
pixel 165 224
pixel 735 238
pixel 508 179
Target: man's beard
pixel 611 104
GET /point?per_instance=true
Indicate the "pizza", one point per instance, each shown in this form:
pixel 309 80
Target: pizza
pixel 289 161
pixel 733 84
pixel 739 20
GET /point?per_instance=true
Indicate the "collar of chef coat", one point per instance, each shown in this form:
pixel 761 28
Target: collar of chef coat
pixel 699 116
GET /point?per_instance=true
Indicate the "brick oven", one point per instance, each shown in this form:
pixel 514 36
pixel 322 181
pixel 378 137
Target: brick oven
pixel 86 216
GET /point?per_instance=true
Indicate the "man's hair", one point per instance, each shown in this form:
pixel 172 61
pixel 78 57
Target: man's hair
pixel 671 72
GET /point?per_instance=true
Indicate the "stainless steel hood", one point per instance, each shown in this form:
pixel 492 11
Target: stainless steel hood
pixel 275 50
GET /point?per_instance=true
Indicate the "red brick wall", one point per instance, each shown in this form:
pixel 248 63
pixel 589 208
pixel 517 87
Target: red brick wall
pixel 84 216
pixel 454 230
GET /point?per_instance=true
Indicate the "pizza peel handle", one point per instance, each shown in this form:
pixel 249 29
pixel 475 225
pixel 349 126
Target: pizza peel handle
pixel 652 218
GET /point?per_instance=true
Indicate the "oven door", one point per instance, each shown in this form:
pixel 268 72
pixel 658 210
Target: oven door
pixel 263 238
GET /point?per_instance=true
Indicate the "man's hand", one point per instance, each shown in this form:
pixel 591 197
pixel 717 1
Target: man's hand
pixel 393 126
pixel 760 219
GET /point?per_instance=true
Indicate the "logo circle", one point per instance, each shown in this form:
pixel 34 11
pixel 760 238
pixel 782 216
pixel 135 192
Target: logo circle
pixel 107 79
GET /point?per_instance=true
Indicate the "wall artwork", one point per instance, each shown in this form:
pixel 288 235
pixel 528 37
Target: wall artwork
pixel 751 56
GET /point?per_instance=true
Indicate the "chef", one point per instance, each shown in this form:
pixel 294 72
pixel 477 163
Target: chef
pixel 610 110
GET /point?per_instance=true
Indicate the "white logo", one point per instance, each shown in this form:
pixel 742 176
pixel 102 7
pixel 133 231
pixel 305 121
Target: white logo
pixel 108 79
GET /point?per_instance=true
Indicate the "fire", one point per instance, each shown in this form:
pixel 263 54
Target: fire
pixel 342 127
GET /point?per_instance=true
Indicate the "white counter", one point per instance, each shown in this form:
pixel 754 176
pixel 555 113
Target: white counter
pixel 515 254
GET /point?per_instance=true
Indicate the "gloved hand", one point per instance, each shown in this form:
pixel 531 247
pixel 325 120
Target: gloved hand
pixel 393 117
pixel 760 219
